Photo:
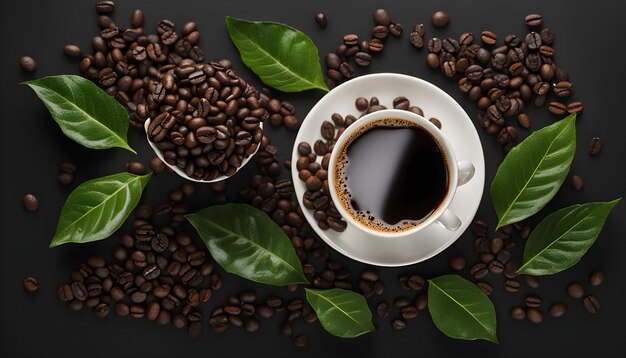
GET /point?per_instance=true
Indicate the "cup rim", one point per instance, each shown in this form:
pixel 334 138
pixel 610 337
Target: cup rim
pixel 180 172
pixel 451 164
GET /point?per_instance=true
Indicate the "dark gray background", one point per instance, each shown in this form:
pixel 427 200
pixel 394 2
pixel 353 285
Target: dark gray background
pixel 590 45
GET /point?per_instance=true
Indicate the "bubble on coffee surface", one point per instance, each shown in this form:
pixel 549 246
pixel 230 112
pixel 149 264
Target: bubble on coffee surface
pixel 381 181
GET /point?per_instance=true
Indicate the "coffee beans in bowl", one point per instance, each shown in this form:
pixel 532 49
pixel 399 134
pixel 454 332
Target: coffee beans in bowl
pixel 211 121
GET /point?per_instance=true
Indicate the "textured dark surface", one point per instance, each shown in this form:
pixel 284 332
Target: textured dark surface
pixel 590 38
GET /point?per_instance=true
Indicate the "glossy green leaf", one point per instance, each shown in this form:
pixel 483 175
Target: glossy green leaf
pixel 459 309
pixel 85 113
pixel 563 237
pixel 283 57
pixel 98 207
pixel 246 242
pixel 533 171
pixel 342 313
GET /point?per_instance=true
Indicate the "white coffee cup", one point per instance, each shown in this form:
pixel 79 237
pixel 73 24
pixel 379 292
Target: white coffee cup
pixel 459 173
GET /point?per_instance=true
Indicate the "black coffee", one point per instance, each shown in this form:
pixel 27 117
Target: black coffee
pixel 392 176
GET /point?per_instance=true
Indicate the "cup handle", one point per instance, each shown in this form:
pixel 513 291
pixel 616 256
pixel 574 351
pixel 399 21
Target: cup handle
pixel 466 172
pixel 449 220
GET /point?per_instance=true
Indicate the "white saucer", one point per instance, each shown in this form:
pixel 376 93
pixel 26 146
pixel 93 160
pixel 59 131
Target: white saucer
pixel 456 126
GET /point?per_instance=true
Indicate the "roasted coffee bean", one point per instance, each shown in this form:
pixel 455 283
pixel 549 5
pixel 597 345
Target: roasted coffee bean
pixel 457 263
pixel 136 168
pixel 432 61
pixel 574 107
pixel 558 309
pixel 30 202
pixel 595 146
pixel 596 278
pixel 398 324
pixel 533 301
pixel 557 108
pixel 416 282
pixel 105 7
pixel 320 19
pixel 533 20
pixel 301 340
pixel 518 313
pixel 531 281
pixel 488 37
pixel 496 267
pixel 485 287
pixel 383 309
pixel 479 271
pixel 395 30
pixel 31 284
pixel 28 64
pixel 416 40
pixel 440 19
pixel 577 182
pixel 511 285
pixel 408 312
pixel 380 32
pixel 362 59
pixel 534 315
pixel 72 50
pixel 346 70
pixel 575 290
pixel 381 17
pixel 591 303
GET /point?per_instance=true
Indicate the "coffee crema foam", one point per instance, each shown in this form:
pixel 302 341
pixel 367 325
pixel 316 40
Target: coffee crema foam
pixel 366 218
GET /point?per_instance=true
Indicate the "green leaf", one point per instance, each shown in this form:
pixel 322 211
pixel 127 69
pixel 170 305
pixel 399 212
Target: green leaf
pixel 563 237
pixel 460 309
pixel 342 313
pixel 283 57
pixel 85 113
pixel 247 243
pixel 98 207
pixel 532 173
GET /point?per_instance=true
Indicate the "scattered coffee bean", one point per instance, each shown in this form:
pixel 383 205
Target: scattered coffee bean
pixel 534 315
pixel 457 263
pixel 531 281
pixel 105 7
pixel 558 309
pixel 31 284
pixel 479 270
pixel 557 108
pixel 72 50
pixel 382 17
pixel 320 19
pixel 398 324
pixel 533 20
pixel 301 341
pixel 28 64
pixel 574 107
pixel 30 202
pixel 485 287
pixel 136 168
pixel 577 182
pixel 511 285
pixel 383 310
pixel 533 301
pixel 575 290
pixel 591 303
pixel 488 37
pixel 440 19
pixel 596 278
pixel 518 313
pixel 595 146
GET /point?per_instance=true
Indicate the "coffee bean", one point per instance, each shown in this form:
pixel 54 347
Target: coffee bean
pixel 440 19
pixel 28 64
pixel 383 309
pixel 534 315
pixel 596 278
pixel 31 284
pixel 511 285
pixel 488 37
pixel 30 202
pixel 531 281
pixel 105 7
pixel 381 17
pixel 457 263
pixel 362 59
pixel 524 120
pixel 301 340
pixel 479 270
pixel 533 40
pixel 408 312
pixel 574 107
pixel 518 313
pixel 72 50
pixel 496 266
pixel 558 309
pixel 577 182
pixel 533 20
pixel 595 146
pixel 533 301
pixel 380 32
pixel 575 290
pixel 136 168
pixel 320 19
pixel 485 287
pixel 398 324
pixel 416 40
pixel 557 108
pixel 395 29
pixel 361 104
pixel 591 303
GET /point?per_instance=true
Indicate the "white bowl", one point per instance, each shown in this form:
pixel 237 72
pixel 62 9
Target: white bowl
pixel 456 126
pixel 180 172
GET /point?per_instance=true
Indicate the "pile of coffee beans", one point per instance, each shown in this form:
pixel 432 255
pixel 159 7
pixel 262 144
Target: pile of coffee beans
pixel 210 120
pixel 155 273
pixel 130 63
pixel 313 162
pixel 503 79
pixel 338 63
